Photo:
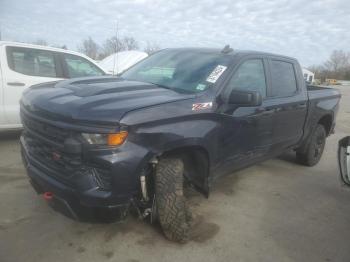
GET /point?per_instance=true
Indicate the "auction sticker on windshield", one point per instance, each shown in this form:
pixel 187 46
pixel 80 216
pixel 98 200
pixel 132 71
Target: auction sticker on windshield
pixel 201 106
pixel 216 73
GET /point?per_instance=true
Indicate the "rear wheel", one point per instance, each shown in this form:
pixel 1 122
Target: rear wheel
pixel 172 210
pixel 313 153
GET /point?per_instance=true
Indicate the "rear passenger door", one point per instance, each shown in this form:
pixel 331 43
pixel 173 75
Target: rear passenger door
pixel 287 103
pixel 25 67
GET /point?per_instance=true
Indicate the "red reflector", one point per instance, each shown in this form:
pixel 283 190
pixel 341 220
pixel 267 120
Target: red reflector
pixel 48 196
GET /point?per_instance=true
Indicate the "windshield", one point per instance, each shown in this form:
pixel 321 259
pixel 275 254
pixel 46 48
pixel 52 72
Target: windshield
pixel 181 70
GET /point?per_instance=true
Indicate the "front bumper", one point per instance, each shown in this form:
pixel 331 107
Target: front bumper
pixel 79 200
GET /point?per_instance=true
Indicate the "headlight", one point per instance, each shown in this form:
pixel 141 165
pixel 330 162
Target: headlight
pixel 114 139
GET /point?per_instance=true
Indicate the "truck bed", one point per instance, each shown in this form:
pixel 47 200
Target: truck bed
pixel 322 93
pixel 316 87
pixel 323 102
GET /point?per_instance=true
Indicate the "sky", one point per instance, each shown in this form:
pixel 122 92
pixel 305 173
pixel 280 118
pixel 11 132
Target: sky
pixel 305 29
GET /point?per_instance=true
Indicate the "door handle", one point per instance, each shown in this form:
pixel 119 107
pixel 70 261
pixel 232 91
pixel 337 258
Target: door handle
pixel 265 111
pixel 301 106
pixel 268 112
pixel 15 84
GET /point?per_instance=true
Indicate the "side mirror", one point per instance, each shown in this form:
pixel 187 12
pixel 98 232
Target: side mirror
pixel 344 159
pixel 245 98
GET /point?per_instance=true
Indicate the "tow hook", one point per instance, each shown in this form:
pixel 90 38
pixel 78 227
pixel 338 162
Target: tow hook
pixel 48 196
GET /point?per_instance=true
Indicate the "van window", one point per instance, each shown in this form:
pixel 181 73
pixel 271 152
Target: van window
pixel 250 76
pixel 33 62
pixel 283 79
pixel 80 67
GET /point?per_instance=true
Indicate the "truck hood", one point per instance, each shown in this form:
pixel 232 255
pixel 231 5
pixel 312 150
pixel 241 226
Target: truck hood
pixel 99 100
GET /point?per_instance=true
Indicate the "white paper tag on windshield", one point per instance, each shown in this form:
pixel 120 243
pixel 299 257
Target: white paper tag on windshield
pixel 217 72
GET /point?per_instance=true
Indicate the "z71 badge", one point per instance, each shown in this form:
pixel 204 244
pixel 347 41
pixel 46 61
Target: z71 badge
pixel 201 106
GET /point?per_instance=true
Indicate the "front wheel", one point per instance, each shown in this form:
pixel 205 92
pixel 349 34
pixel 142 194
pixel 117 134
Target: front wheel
pixel 314 150
pixel 173 213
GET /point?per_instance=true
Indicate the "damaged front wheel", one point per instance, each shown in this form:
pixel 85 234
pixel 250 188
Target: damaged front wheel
pixel 172 210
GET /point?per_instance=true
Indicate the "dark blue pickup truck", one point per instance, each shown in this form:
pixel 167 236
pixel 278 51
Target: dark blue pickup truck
pixel 181 117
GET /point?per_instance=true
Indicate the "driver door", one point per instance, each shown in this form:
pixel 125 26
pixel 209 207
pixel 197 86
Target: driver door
pixel 246 133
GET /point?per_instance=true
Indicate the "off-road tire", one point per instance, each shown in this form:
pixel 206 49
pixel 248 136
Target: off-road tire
pixel 173 213
pixel 315 147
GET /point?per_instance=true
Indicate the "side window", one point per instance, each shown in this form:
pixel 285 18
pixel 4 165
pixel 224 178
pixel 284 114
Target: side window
pixel 250 76
pixel 33 62
pixel 80 67
pixel 283 78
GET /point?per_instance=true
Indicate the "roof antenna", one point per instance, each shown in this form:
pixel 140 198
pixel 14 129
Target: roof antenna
pixel 115 57
pixel 226 49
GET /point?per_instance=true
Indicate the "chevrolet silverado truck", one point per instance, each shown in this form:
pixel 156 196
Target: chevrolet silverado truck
pixel 179 118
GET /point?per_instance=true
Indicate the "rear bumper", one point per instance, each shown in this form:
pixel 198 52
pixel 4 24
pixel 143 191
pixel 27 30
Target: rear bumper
pixel 77 200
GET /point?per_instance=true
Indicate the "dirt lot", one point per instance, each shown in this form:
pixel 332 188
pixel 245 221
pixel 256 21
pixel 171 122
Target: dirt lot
pixel 274 211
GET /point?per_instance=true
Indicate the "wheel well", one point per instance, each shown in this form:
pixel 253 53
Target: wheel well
pixel 326 121
pixel 196 165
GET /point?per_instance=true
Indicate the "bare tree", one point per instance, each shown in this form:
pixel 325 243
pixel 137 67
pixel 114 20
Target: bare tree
pixel 337 61
pixel 151 48
pixel 336 67
pixel 40 41
pixel 114 44
pixel 89 47
pixel 130 43
pixel 111 46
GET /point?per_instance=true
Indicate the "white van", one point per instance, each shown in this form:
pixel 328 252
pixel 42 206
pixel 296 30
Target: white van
pixel 23 65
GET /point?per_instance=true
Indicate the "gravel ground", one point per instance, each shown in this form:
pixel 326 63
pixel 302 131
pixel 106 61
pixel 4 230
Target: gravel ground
pixel 274 211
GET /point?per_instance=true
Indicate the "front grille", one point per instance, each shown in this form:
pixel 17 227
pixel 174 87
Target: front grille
pixel 45 144
pixel 53 133
pixel 52 157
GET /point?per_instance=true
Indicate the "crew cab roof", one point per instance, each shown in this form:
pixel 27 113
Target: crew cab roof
pixel 239 52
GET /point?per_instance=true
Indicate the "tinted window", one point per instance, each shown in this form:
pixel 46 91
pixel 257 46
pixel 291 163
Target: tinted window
pixel 283 78
pixel 32 62
pixel 181 70
pixel 80 67
pixel 250 76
